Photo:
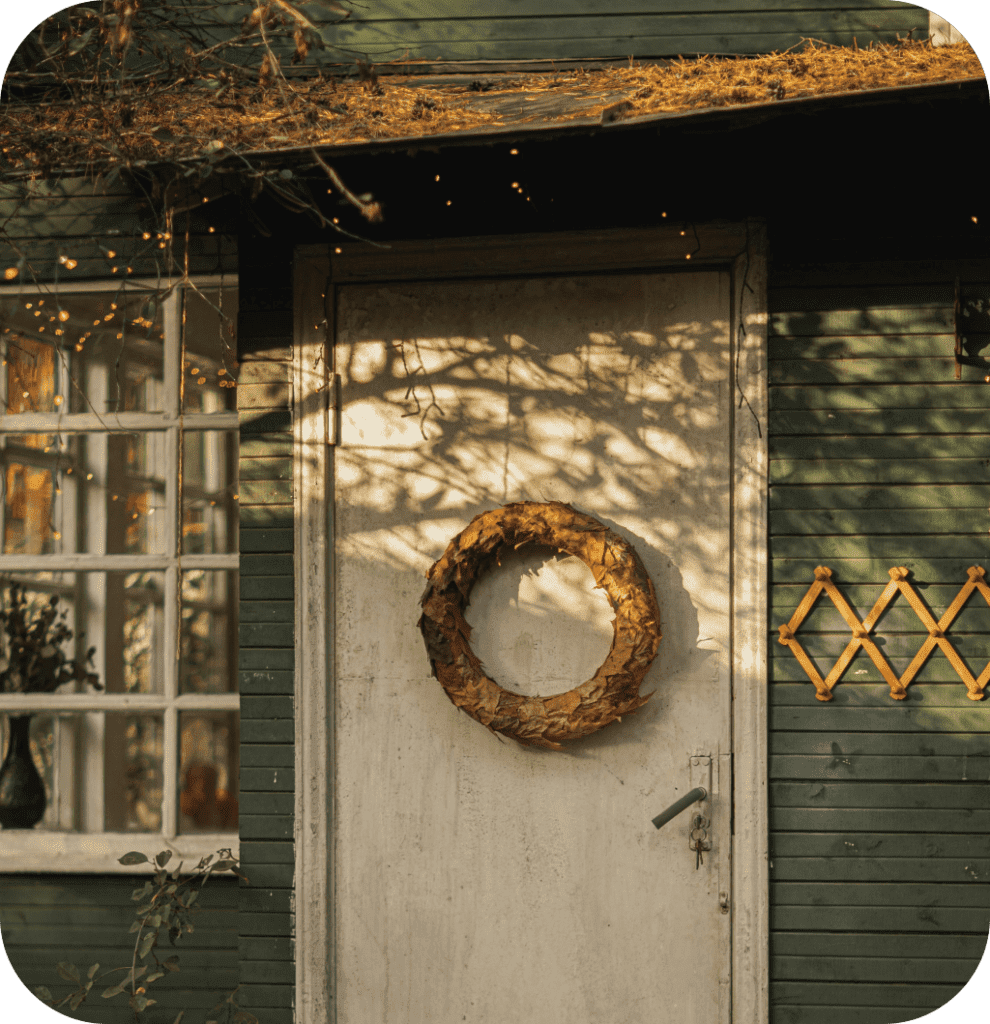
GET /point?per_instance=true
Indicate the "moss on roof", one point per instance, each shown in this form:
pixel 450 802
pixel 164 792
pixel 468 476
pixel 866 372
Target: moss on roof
pixel 325 112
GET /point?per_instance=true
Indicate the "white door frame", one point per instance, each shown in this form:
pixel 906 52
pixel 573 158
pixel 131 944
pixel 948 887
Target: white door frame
pixel 741 247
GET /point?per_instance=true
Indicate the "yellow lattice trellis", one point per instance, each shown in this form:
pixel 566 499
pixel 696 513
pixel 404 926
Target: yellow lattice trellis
pixel 861 632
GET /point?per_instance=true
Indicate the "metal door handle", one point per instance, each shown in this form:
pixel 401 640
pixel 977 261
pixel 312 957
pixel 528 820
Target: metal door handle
pixel 685 801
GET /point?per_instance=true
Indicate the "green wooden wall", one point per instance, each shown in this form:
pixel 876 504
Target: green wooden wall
pixel 880 809
pixel 44 222
pixel 264 402
pixel 505 30
pixel 84 919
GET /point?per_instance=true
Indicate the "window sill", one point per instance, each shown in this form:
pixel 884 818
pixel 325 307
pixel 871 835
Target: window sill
pixel 31 850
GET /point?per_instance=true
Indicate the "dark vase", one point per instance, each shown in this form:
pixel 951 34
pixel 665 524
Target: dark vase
pixel 22 790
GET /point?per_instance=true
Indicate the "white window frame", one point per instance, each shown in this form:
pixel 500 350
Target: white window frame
pixel 95 850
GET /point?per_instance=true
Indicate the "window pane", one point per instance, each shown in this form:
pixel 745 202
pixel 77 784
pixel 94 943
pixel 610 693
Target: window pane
pixel 209 492
pixel 133 747
pixel 211 350
pixel 208 771
pixel 110 344
pixel 209 639
pixel 89 493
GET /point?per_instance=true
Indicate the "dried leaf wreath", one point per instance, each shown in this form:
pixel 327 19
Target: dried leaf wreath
pixel 611 692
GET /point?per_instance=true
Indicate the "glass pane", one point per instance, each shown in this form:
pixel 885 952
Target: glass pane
pixel 209 635
pixel 31 373
pixel 110 344
pixel 211 350
pixel 53 744
pixel 133 746
pixel 208 771
pixel 94 493
pixel 209 492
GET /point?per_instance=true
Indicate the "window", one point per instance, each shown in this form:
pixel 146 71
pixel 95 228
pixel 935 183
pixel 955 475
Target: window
pixel 118 493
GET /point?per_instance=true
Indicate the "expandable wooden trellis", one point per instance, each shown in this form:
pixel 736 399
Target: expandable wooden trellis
pixel 861 632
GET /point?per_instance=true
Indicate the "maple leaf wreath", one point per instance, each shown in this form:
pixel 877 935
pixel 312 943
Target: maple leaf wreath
pixel 611 692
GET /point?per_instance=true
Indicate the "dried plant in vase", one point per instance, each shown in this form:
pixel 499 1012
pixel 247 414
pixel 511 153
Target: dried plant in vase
pixel 31 661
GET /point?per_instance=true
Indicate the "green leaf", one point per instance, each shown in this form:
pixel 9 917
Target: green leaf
pixel 155 921
pixel 171 964
pixel 113 990
pixel 163 858
pixel 133 858
pixel 154 977
pixel 76 1000
pixel 224 865
pixel 285 174
pixel 191 898
pixel 81 42
pixel 135 925
pixel 147 941
pixel 91 973
pixel 67 971
pixel 43 994
pixel 178 1020
pixel 145 908
pixel 243 1017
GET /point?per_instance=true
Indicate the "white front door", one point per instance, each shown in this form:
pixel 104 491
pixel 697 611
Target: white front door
pixel 477 880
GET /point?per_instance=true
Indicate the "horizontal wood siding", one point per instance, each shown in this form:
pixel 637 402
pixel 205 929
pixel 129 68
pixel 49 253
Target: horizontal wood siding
pixel 264 403
pixel 43 224
pixel 504 30
pixel 880 809
pixel 84 919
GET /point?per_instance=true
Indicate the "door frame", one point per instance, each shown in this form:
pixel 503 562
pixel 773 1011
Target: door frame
pixel 739 247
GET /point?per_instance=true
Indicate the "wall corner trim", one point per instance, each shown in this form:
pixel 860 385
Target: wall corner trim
pixel 313 704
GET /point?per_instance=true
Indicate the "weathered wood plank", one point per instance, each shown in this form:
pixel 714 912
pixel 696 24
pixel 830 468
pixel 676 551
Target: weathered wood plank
pixel 265 446
pixel 919 795
pixel 270 395
pixel 257 541
pixel 878 819
pixel 893 851
pixel 952 446
pixel 266 681
pixel 278 876
pixel 840 766
pixel 266 658
pixel 266 756
pixel 256 588
pixel 267 564
pixel 942 971
pixel 936 395
pixel 258 371
pixel 267 972
pixel 946 697
pixel 868 346
pixel 266 707
pixel 855 566
pixel 815 1014
pixel 893 919
pixel 920 997
pixel 422 10
pixel 277 467
pixel 265 634
pixel 255 853
pixel 895 320
pixel 869 297
pixel 877 496
pixel 930 522
pixel 899 617
pixel 260 731
pixel 877 944
pixel 901 744
pixel 267 948
pixel 880 869
pixel 278 517
pixel 914 370
pixel 869 422
pixel 922 721
pixel 880 894
pixel 878 471
pixel 265 826
pixel 275 779
pixel 264 925
pixel 265 997
pixel 266 611
pixel 266 492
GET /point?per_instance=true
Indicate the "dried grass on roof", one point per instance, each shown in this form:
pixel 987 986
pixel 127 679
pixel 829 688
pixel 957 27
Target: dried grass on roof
pixel 327 112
